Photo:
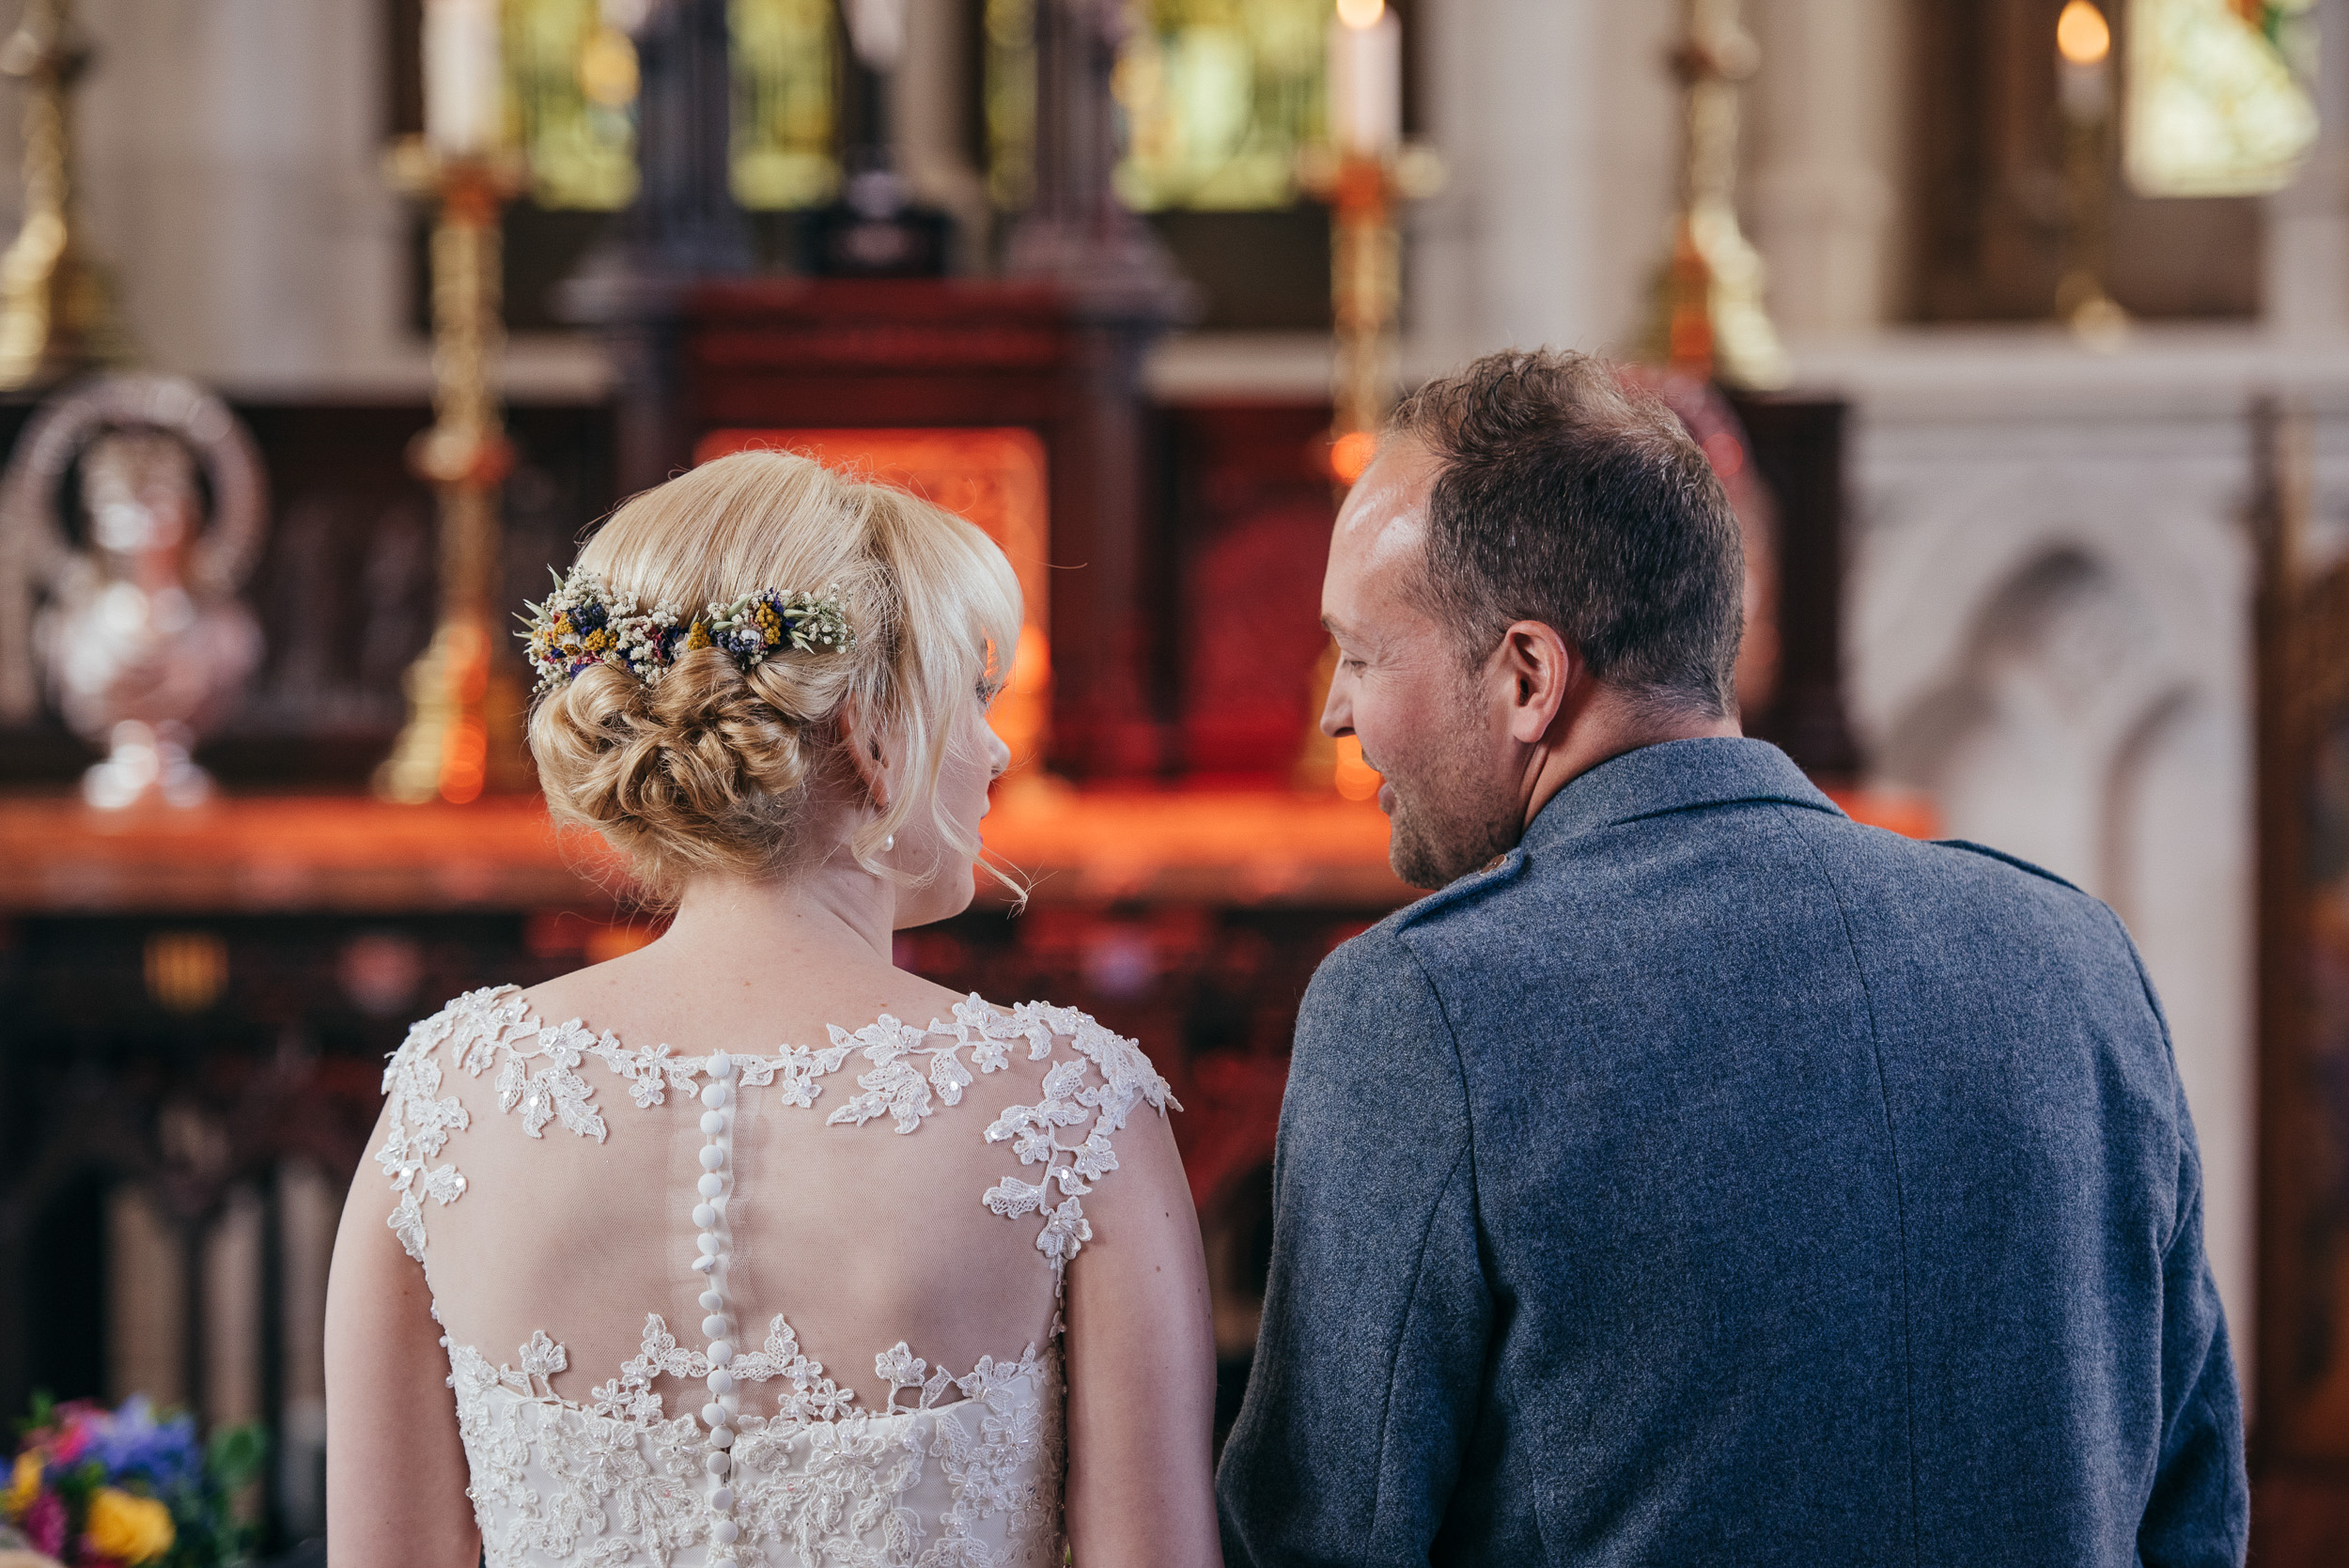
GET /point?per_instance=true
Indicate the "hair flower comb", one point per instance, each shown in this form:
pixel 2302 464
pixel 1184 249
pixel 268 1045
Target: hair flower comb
pixel 581 624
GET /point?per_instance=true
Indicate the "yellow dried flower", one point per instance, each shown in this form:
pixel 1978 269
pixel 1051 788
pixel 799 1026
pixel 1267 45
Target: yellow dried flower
pixel 131 1529
pixel 698 637
pixel 24 1485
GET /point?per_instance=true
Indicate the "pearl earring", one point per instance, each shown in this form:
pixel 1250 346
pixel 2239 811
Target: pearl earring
pixel 888 844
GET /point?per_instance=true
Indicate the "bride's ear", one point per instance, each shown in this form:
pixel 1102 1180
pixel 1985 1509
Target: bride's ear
pixel 860 738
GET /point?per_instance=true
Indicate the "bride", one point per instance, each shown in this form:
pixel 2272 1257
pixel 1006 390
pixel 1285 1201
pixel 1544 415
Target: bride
pixel 748 1247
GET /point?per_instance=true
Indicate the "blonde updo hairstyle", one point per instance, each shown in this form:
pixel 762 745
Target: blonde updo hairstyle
pixel 707 769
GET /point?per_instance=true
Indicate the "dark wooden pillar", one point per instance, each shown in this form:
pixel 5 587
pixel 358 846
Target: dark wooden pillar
pixel 1798 444
pixel 683 226
pixel 1121 292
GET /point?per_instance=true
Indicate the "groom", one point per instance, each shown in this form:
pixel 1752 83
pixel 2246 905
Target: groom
pixel 1697 1177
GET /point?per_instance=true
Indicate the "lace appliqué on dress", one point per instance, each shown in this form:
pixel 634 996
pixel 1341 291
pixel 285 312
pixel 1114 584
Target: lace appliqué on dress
pixel 897 1088
pixel 970 1483
pixel 1035 1131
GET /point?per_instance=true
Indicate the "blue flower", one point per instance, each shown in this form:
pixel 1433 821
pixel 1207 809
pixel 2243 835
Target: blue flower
pixel 134 1442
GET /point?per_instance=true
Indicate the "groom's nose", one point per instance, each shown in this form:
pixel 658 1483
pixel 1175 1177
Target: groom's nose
pixel 1337 709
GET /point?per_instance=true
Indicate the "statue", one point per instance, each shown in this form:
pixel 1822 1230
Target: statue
pixel 138 636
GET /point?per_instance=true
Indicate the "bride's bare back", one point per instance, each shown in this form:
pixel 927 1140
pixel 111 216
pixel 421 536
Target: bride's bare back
pixel 852 1211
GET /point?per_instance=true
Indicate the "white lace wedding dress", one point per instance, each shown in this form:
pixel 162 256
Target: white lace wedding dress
pixel 778 1463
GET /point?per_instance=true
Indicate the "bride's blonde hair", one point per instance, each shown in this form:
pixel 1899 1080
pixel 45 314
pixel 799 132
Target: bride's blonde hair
pixel 707 769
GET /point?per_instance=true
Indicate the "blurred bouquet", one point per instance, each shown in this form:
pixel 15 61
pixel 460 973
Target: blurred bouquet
pixel 99 1489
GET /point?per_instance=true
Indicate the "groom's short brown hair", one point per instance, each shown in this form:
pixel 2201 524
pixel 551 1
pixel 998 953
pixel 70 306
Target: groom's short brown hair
pixel 1564 496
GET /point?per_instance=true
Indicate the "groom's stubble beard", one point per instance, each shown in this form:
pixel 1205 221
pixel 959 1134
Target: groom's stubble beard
pixel 1452 815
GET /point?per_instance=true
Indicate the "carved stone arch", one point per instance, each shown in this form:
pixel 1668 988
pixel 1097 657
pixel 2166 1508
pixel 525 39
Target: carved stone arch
pixel 2019 738
pixel 1938 555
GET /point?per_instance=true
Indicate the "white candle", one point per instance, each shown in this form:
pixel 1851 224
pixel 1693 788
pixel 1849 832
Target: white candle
pixel 464 76
pixel 2083 62
pixel 1365 83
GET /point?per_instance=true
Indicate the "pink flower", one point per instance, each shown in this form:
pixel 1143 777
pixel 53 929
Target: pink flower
pixel 45 1524
pixel 73 1438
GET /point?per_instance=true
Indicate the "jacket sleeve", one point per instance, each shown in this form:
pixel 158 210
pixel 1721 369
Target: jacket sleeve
pixel 2198 1515
pixel 2200 1511
pixel 1370 1363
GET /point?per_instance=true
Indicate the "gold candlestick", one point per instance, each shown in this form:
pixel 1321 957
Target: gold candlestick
pixel 464 699
pixel 1365 293
pixel 57 309
pixel 1708 317
pixel 1365 288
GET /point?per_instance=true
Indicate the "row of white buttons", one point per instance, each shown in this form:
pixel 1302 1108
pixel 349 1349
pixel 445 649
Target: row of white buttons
pixel 717 1127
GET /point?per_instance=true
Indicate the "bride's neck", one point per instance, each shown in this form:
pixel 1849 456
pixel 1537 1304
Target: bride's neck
pixel 837 909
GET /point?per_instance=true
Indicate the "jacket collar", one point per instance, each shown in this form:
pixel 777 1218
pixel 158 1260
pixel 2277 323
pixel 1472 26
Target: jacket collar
pixel 1674 775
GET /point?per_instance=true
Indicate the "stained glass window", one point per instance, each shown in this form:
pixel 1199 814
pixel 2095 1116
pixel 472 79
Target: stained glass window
pixel 1009 94
pixel 572 81
pixel 1219 98
pixel 2215 104
pixel 783 63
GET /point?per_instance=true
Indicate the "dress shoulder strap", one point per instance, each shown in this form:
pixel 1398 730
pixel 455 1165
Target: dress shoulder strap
pixel 1088 1098
pixel 1096 1079
pixel 417 1118
pixel 537 1075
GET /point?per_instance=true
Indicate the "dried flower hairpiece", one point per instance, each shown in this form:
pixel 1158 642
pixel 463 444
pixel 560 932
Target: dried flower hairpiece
pixel 580 624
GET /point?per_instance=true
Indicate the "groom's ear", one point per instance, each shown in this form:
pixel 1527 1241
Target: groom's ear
pixel 1540 668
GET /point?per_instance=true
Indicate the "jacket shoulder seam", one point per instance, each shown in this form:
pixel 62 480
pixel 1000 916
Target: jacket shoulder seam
pixel 1970 847
pixel 1510 866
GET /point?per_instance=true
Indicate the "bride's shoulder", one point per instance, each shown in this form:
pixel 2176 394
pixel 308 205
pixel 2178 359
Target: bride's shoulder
pixel 497 1012
pixel 1120 1059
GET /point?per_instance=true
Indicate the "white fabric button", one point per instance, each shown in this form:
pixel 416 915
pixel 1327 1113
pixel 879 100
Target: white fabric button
pixel 713 1413
pixel 720 1381
pixel 712 1301
pixel 713 1122
pixel 722 1500
pixel 722 1436
pixel 710 1184
pixel 718 1464
pixel 713 1094
pixel 704 1215
pixel 722 1067
pixel 705 1264
pixel 713 1157
pixel 707 1243
pixel 713 1326
pixel 721 1353
pixel 725 1530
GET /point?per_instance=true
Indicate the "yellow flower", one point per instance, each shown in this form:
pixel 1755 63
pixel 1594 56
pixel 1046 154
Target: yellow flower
pixel 131 1529
pixel 698 637
pixel 24 1485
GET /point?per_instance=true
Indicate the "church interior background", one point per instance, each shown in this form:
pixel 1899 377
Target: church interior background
pixel 2018 330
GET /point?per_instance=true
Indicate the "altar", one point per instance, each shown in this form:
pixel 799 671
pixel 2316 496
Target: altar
pixel 1121 295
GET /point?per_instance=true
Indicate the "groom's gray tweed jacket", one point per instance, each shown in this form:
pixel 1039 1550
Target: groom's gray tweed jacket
pixel 1716 1181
